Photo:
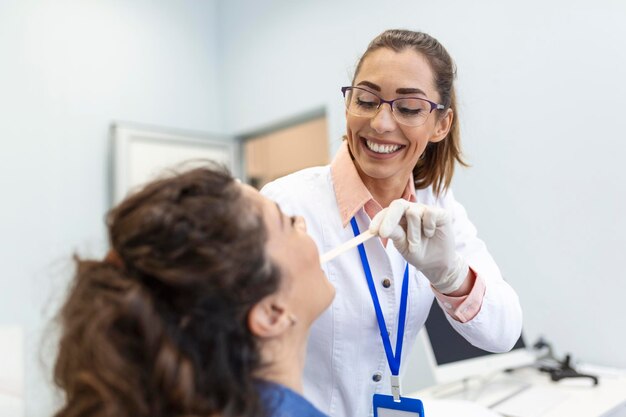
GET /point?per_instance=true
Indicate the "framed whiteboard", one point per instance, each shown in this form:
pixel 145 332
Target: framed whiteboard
pixel 141 154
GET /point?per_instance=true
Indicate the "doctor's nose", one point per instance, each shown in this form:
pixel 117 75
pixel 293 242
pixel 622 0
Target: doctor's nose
pixel 383 121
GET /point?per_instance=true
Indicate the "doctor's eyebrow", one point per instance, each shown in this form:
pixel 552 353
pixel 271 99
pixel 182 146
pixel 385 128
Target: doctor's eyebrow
pixel 410 91
pixel 370 85
pixel 406 90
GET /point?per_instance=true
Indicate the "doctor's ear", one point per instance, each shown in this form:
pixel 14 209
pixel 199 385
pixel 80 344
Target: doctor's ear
pixel 270 318
pixel 442 125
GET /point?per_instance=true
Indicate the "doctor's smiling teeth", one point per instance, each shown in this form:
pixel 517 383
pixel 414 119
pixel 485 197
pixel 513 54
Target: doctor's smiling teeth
pixel 375 147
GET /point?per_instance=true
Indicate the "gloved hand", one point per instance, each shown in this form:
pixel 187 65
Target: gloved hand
pixel 427 243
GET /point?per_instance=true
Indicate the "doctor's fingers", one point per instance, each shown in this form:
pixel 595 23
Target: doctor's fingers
pixel 387 220
pixel 433 218
pixel 414 219
pixel 396 234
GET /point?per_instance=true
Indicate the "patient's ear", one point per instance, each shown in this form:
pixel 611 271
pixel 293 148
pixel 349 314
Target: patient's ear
pixel 269 318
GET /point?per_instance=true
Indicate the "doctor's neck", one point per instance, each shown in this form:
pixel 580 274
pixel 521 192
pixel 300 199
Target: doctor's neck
pixel 385 190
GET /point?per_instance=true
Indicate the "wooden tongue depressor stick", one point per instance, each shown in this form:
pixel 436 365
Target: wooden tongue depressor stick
pixel 346 246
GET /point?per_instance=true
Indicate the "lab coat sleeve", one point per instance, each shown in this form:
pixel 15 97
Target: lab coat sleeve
pixel 498 324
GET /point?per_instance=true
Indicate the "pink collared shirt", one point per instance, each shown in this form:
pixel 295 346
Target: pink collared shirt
pixel 352 195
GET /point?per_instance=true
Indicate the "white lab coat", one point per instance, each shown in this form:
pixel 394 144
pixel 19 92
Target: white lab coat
pixel 345 349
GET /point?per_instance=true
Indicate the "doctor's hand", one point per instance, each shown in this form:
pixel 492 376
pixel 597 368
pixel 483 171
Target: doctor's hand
pixel 426 241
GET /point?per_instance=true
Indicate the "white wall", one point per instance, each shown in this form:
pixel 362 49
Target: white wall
pixel 542 99
pixel 68 68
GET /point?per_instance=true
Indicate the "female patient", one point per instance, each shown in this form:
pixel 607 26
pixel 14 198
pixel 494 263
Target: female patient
pixel 201 308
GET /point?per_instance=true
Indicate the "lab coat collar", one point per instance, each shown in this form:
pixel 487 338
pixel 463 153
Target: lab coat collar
pixel 352 195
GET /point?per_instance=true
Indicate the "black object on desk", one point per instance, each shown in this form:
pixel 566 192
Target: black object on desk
pixel 557 369
pixel 565 370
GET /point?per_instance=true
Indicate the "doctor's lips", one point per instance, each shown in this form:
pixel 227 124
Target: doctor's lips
pixel 380 146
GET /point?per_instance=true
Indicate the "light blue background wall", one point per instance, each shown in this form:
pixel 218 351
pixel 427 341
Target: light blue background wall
pixel 68 69
pixel 541 87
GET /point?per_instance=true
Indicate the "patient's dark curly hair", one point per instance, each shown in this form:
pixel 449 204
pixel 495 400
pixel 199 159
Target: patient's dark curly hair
pixel 163 330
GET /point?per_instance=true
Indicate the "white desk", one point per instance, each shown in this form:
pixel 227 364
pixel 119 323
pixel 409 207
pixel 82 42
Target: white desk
pixel 580 398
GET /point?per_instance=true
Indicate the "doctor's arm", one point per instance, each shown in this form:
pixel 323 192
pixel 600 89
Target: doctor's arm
pixel 442 243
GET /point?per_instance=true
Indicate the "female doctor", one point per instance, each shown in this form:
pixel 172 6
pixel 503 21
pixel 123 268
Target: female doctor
pixel 392 175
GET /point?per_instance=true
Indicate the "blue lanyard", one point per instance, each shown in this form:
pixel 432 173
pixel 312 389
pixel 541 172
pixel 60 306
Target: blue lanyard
pixel 393 360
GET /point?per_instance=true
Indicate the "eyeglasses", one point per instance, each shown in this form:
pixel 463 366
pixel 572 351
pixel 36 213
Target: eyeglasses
pixel 409 111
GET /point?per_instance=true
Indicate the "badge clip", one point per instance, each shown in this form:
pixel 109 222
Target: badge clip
pixel 395 388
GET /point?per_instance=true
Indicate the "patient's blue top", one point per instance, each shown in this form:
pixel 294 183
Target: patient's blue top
pixel 280 401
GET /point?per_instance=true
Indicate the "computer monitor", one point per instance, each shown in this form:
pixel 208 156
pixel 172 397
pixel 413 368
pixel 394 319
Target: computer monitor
pixel 452 358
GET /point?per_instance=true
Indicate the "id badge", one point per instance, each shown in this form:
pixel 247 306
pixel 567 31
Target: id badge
pixel 385 406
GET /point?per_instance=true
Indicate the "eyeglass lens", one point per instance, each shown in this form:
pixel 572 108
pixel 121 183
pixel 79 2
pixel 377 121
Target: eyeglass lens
pixel 408 111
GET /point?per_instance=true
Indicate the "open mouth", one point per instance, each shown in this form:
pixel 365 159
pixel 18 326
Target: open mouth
pixel 383 149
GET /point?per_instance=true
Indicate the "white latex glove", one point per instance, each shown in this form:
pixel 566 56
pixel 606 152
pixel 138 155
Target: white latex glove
pixel 427 243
